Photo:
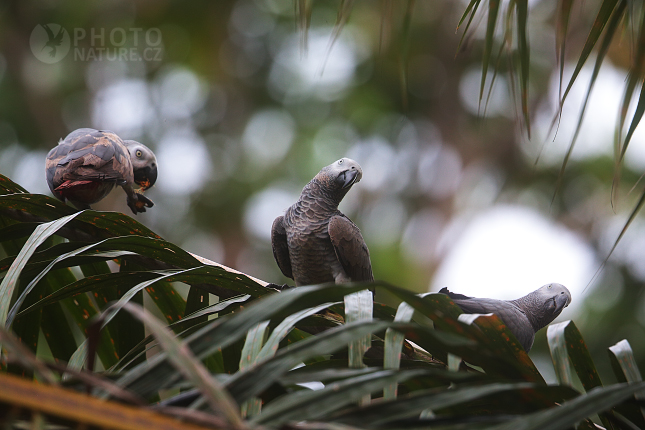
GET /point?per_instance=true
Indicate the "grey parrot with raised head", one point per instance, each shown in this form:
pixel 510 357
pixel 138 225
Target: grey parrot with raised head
pixel 85 166
pixel 523 316
pixel 314 242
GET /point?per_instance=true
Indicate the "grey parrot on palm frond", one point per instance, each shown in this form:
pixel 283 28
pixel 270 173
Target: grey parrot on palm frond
pixel 85 166
pixel 314 242
pixel 523 316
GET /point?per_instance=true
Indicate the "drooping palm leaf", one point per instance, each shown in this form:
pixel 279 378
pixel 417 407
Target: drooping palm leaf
pixel 625 369
pixel 524 54
pixel 344 11
pixel 252 382
pixel 406 34
pixel 186 363
pixel 634 78
pixel 303 20
pixel 252 346
pixel 562 25
pixel 388 413
pixel 313 405
pixel 599 399
pixel 508 44
pixel 630 219
pixel 186 326
pixel 611 28
pixel 9 283
pixel 201 276
pixel 359 307
pixel 471 9
pixel 493 9
pixel 603 17
pixel 393 344
pixel 225 331
pixel 567 346
pixel 566 335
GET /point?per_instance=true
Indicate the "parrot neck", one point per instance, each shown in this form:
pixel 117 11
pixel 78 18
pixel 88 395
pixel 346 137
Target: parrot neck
pixel 533 307
pixel 327 198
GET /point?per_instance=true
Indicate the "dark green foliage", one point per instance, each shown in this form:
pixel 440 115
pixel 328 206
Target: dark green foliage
pixel 302 338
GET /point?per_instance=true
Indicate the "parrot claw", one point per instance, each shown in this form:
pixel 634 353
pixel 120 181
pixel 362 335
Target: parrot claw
pixel 279 287
pixel 138 203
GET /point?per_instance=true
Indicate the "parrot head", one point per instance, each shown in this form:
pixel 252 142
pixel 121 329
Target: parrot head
pixel 144 164
pixel 346 172
pixel 560 297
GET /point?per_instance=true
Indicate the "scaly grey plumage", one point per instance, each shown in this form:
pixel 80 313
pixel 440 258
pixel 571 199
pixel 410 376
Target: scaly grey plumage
pixel 85 166
pixel 314 242
pixel 523 316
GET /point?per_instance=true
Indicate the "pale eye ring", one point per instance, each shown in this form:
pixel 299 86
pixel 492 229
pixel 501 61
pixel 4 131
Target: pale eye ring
pixel 340 161
pixel 139 153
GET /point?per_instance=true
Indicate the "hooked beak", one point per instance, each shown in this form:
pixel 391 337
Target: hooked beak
pixel 350 177
pixel 145 177
pixel 561 301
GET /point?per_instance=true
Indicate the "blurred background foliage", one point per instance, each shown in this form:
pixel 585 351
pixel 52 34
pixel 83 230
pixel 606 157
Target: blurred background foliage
pixel 243 106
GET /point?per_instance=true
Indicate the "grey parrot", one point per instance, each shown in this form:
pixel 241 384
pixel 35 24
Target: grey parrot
pixel 523 316
pixel 314 242
pixel 85 166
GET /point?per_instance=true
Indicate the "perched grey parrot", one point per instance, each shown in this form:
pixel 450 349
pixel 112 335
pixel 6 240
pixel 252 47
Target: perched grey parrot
pixel 85 166
pixel 523 316
pixel 314 242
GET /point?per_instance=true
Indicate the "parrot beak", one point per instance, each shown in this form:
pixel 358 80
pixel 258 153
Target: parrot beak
pixel 350 177
pixel 561 301
pixel 145 177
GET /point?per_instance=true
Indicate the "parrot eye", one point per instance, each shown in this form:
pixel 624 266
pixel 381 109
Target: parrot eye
pixel 549 286
pixel 340 161
pixel 139 154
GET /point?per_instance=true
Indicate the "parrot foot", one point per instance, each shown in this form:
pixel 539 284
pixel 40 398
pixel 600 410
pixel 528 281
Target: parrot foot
pixel 138 203
pixel 279 287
